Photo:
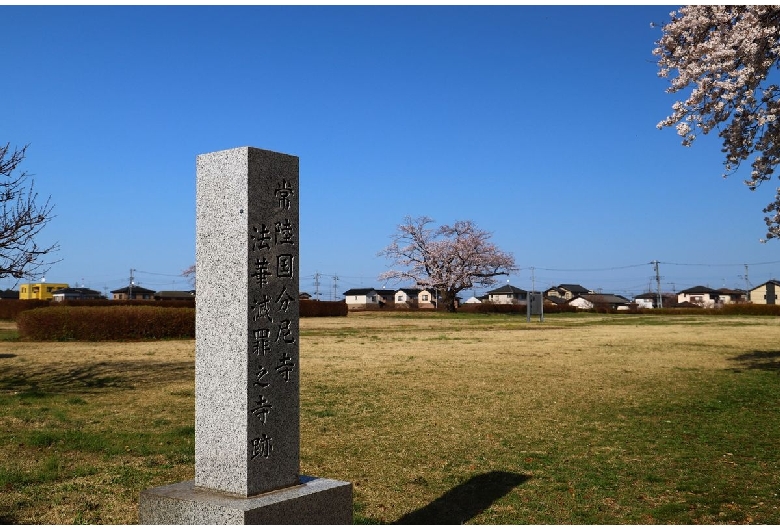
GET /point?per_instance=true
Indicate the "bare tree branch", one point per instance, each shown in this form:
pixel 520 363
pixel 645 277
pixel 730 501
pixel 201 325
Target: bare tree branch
pixel 189 273
pixel 21 219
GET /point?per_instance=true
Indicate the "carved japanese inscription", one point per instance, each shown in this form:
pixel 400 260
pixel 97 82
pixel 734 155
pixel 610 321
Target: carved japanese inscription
pixel 272 318
pixel 273 337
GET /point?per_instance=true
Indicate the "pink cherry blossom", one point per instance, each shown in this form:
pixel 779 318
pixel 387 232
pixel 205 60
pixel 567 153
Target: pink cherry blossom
pixel 723 57
pixel 448 258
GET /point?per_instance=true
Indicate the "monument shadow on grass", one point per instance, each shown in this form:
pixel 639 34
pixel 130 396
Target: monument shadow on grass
pixel 467 500
pixel 759 360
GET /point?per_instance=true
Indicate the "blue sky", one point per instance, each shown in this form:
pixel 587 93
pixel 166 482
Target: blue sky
pixel 537 123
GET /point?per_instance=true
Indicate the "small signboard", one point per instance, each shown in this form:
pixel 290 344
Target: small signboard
pixel 535 305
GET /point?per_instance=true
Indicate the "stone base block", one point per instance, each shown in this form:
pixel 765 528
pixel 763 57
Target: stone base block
pixel 314 501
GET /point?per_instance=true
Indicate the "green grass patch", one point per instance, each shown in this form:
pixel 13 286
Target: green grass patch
pixel 9 335
pixel 435 419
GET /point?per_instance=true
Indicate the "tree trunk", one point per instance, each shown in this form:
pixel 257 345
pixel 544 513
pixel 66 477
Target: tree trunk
pixel 448 301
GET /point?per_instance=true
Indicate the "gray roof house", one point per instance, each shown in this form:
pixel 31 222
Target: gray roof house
pixel 766 293
pixel 407 296
pixel 174 295
pixel 75 293
pixel 699 295
pixel 507 294
pixel 567 291
pixel 589 301
pixel 361 298
pixel 134 292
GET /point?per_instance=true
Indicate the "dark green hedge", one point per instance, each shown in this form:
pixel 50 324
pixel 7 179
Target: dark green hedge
pixel 124 322
pixel 314 308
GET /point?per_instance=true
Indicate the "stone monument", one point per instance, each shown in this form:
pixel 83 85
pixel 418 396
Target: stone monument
pixel 247 436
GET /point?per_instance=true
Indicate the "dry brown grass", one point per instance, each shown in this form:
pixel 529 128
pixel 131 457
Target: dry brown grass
pixel 430 400
pixel 405 408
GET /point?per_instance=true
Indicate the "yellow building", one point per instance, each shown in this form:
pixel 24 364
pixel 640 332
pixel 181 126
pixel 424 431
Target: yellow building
pixel 39 291
pixel 766 293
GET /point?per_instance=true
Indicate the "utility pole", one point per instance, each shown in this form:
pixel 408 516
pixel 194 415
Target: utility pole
pixel 130 288
pixel 747 285
pixel 317 286
pixel 658 284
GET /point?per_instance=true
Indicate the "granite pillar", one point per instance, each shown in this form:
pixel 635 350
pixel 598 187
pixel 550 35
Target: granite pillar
pixel 247 435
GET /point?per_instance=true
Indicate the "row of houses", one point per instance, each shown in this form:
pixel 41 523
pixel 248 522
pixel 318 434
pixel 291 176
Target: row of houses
pixel 409 297
pixel 570 294
pixel 370 298
pixel 62 291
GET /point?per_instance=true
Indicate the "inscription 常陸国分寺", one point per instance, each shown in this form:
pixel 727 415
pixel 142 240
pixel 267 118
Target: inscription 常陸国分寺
pixel 268 309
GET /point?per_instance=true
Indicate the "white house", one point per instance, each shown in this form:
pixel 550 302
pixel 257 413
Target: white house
pixel 699 295
pixel 362 298
pixel 508 294
pixel 426 298
pixel 566 291
pixel 646 300
pixel 589 301
pixel 75 293
pixel 406 296
pixel 731 296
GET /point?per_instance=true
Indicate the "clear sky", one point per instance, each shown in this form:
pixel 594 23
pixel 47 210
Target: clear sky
pixel 537 123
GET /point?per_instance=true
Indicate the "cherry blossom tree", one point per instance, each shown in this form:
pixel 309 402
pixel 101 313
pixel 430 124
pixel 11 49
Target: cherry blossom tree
pixel 725 58
pixel 448 258
pixel 21 219
pixel 189 273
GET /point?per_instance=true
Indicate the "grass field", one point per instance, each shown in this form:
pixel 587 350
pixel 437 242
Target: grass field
pixel 584 419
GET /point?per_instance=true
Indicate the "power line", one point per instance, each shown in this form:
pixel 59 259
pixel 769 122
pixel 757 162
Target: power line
pixel 591 270
pixel 158 273
pixel 718 265
pixel 620 267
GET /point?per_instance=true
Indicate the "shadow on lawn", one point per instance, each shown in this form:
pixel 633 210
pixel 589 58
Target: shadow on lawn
pixel 94 376
pixel 467 500
pixel 760 360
